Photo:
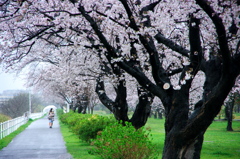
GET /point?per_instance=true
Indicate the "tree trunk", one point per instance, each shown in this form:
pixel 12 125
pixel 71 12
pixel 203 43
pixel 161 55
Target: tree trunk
pixel 155 114
pixel 229 114
pixel 143 108
pixel 160 115
pixel 229 110
pixel 71 106
pixel 74 108
pixel 119 107
pixel 91 110
pixel 80 108
pixel 237 108
pixel 229 125
pixel 178 149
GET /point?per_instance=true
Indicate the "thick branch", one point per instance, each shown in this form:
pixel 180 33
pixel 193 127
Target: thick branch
pixel 195 44
pixel 221 33
pixel 159 74
pixel 174 72
pixel 100 90
pixel 132 24
pixel 172 45
pixel 134 71
pixel 102 14
pixel 195 52
pixel 151 7
pixel 36 34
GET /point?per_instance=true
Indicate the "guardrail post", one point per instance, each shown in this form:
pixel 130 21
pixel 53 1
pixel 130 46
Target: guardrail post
pixel 1 130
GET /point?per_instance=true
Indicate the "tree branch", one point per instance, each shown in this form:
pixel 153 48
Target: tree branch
pixel 171 44
pixel 100 90
pixel 102 14
pixel 134 71
pixel 37 33
pixel 221 33
pixel 132 24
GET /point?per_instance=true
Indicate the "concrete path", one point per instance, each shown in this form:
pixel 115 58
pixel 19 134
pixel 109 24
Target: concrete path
pixel 37 141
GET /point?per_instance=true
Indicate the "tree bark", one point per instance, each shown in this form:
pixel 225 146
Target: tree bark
pixel 229 112
pixel 160 115
pixel 178 149
pixel 143 108
pixel 119 106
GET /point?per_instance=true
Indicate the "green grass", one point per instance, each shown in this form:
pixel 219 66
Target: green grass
pixel 4 118
pixel 218 143
pixel 158 133
pixel 236 116
pixel 77 148
pixel 221 144
pixel 6 140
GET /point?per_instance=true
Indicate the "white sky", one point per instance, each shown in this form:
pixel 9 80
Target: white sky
pixel 10 82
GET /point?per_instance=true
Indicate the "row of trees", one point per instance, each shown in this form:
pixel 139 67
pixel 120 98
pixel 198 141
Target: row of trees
pixel 19 104
pixel 230 102
pixel 183 55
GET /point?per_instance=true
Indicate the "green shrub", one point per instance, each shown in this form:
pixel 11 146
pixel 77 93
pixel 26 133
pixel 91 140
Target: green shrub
pixel 4 118
pixel 64 117
pixel 86 126
pixel 75 123
pixel 76 118
pixel 89 127
pixel 60 112
pixel 124 142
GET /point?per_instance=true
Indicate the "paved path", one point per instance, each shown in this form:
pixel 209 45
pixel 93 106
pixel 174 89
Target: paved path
pixel 37 141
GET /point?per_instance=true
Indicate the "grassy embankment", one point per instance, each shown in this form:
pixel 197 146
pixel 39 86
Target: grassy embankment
pixel 218 143
pixel 6 140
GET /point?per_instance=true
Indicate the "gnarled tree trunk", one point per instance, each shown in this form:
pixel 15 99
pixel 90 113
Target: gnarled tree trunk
pixel 119 107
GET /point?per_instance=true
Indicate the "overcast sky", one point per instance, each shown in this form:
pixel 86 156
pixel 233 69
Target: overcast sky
pixel 10 82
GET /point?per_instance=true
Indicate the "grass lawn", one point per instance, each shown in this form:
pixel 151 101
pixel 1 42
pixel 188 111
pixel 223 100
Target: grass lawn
pixel 75 146
pixel 221 144
pixel 6 140
pixel 218 143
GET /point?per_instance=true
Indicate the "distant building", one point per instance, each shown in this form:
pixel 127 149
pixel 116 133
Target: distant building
pixel 8 94
pixel 4 98
pixel 13 92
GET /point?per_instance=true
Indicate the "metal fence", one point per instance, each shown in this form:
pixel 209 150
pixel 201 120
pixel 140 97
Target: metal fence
pixel 10 126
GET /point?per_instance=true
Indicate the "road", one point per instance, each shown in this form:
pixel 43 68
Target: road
pixel 37 141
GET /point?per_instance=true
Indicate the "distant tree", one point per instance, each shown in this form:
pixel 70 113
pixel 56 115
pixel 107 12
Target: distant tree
pixel 230 102
pixel 19 104
pixel 237 106
pixel 37 103
pixel 16 106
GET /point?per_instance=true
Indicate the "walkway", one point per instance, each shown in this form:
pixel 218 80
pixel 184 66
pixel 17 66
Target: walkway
pixel 37 141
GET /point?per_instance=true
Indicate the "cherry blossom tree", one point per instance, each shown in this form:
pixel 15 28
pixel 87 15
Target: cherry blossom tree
pixel 230 102
pixel 170 47
pixel 54 34
pixel 66 78
pixel 197 35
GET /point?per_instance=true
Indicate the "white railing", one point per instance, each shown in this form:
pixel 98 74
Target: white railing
pixel 10 126
pixel 36 115
pixel 66 109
